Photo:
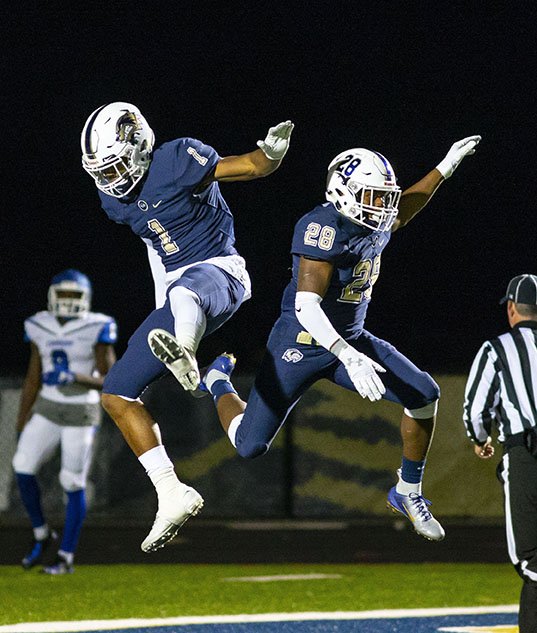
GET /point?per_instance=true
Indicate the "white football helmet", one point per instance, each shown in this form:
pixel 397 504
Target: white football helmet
pixel 69 294
pixel 116 147
pixel 356 179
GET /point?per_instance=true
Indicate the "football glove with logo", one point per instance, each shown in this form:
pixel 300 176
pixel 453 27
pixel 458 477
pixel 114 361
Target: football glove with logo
pixel 361 369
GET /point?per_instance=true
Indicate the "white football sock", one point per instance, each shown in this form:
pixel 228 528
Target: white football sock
pixel 170 490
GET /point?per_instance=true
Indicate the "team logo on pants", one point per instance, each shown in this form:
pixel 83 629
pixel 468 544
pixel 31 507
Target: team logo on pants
pixel 292 355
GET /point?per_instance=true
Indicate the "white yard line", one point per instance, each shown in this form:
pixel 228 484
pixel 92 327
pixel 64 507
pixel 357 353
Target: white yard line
pixel 280 577
pixel 133 623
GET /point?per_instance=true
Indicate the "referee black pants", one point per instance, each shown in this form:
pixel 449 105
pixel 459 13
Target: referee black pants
pixel 518 473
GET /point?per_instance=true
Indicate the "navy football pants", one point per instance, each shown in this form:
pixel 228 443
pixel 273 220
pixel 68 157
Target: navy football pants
pixel 220 297
pixel 289 368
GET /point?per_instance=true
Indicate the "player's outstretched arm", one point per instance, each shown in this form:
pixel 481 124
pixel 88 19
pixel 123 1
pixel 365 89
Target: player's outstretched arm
pixel 418 195
pixel 313 280
pixel 260 162
pixel 30 388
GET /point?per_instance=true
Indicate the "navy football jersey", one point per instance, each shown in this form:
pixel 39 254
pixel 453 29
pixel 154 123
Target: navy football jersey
pixel 324 234
pixel 183 226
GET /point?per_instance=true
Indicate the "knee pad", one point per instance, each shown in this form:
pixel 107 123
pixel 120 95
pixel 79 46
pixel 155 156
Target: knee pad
pixel 71 482
pixel 423 413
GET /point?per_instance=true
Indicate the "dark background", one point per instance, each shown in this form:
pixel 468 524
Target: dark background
pixel 404 78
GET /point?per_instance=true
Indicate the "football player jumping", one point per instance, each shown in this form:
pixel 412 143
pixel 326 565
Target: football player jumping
pixel 170 197
pixel 336 252
pixel 71 351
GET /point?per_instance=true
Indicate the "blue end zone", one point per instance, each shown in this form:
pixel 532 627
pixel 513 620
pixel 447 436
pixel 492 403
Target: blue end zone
pixel 380 625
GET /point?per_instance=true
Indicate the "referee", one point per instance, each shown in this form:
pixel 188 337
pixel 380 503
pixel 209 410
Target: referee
pixel 502 389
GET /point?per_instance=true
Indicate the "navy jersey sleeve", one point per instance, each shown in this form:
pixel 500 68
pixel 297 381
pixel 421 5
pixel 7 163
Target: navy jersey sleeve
pixel 193 161
pixel 318 235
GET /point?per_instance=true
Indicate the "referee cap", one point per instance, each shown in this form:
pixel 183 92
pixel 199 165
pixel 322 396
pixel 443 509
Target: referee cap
pixel 522 289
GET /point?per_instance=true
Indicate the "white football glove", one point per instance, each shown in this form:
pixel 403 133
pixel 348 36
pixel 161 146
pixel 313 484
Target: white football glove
pixel 458 151
pixel 277 141
pixel 361 369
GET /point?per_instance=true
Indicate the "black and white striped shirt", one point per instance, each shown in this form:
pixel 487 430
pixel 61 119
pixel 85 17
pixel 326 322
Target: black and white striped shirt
pixel 502 385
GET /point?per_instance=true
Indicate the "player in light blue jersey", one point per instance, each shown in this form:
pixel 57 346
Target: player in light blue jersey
pixel 336 253
pixel 170 197
pixel 71 352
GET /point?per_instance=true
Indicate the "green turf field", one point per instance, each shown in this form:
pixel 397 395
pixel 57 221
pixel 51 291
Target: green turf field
pixel 126 591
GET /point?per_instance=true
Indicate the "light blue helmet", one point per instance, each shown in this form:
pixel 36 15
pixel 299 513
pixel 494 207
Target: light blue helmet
pixel 69 294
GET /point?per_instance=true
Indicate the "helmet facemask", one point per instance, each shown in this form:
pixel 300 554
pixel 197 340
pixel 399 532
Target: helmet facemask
pixel 357 180
pixel 118 175
pixel 68 300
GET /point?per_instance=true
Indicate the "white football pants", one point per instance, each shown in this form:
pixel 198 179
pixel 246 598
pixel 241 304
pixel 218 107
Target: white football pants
pixel 38 442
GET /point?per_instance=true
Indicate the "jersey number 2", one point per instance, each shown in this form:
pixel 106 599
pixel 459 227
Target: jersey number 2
pixel 366 271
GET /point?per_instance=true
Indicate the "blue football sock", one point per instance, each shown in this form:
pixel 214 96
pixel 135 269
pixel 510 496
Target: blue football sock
pixel 221 387
pixel 412 472
pixel 74 517
pixel 31 498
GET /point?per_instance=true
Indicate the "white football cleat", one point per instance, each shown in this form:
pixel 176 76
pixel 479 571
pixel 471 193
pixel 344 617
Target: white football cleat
pixel 177 358
pixel 416 508
pixel 165 528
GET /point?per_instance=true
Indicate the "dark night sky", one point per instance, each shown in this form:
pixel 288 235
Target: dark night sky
pixel 405 78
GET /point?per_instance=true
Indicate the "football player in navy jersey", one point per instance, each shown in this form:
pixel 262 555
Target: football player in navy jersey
pixel 320 333
pixel 170 197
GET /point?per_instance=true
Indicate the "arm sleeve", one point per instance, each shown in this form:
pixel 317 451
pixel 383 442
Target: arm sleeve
pixel 108 334
pixel 193 162
pixel 312 318
pixel 481 395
